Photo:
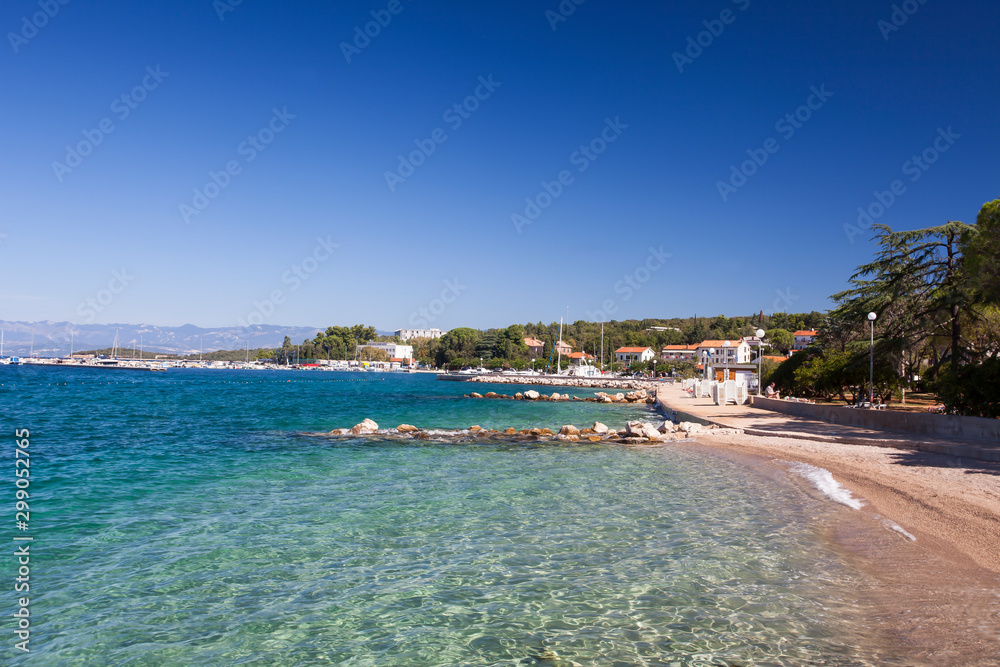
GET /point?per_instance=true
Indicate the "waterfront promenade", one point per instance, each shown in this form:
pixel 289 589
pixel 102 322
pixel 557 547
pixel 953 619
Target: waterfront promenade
pixel 756 421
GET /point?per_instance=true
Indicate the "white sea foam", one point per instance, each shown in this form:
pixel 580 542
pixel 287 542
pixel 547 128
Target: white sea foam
pixel 823 480
pixel 892 525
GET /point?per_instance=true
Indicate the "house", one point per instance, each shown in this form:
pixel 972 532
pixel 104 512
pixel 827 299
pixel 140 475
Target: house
pixel 535 347
pixel 629 354
pixel 580 357
pixel 804 339
pixel 562 348
pixel 679 353
pixel 736 352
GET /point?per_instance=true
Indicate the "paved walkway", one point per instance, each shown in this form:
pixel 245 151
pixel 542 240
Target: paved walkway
pixel 757 421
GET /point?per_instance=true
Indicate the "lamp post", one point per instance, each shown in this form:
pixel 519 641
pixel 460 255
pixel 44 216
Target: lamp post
pixel 532 365
pixel 871 361
pixel 760 352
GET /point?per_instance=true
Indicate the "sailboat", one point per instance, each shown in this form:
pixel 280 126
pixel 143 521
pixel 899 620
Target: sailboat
pixel 3 360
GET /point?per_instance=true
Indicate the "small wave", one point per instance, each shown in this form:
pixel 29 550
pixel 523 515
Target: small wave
pixel 892 525
pixel 823 480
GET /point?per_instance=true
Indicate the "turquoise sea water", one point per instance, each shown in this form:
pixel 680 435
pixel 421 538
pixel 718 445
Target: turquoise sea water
pixel 188 518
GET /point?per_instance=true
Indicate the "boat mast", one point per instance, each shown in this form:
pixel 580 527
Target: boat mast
pixel 602 347
pixel 559 347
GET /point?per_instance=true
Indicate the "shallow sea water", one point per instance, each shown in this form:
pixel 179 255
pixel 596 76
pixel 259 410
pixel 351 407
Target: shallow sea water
pixel 187 518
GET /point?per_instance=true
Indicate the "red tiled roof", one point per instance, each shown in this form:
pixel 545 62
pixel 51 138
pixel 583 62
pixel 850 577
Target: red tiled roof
pixel 533 342
pixel 628 350
pixel 806 332
pixel 718 343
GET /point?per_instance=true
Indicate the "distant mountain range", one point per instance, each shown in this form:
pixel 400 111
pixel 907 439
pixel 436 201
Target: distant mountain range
pixel 53 339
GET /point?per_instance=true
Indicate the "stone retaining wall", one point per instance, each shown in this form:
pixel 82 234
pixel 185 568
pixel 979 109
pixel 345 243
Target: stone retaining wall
pixel 918 423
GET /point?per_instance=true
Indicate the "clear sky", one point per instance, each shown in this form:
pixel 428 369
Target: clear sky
pixel 243 162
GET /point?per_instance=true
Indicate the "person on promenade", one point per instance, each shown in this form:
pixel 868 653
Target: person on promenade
pixel 771 392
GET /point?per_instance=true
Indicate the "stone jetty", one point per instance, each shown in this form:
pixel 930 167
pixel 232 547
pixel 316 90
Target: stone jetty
pixel 637 396
pixel 634 433
pixel 558 381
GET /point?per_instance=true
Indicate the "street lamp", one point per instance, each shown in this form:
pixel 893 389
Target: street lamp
pixel 871 361
pixel 760 352
pixel 532 365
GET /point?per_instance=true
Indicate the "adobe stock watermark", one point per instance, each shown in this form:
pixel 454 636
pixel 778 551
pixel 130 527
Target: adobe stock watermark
pixel 900 14
pixel 714 28
pixel 37 21
pixel 581 158
pixel 915 167
pixel 425 315
pixel 787 126
pixel 381 18
pixel 631 283
pixel 782 302
pixel 248 149
pixel 89 308
pixel 122 107
pixel 454 116
pixel 223 7
pixel 565 9
pixel 294 277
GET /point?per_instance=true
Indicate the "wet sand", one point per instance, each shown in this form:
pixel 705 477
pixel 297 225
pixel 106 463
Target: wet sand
pixel 935 599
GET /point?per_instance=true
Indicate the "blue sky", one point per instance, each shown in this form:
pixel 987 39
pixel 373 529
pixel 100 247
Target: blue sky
pixel 244 179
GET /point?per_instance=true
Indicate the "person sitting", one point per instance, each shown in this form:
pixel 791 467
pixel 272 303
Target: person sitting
pixel 771 392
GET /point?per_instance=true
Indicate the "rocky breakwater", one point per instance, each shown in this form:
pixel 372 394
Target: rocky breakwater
pixel 637 396
pixel 634 433
pixel 559 381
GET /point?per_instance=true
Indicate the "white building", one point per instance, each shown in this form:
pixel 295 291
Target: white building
pixel 407 334
pixel 394 350
pixel 803 339
pixel 630 354
pixel 736 352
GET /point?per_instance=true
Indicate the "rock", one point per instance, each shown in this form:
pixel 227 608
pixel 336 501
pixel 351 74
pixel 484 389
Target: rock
pixel 650 432
pixel 554 396
pixel 599 427
pixel 586 431
pixel 535 431
pixel 475 428
pixel 689 428
pixel 421 435
pixel 650 400
pixel 510 431
pixel 594 438
pixel 572 438
pixel 406 428
pixel 569 429
pixel 476 394
pixel 518 396
pixel 338 431
pixel 531 395
pixel 504 396
pixel 632 440
pixel 546 431
pixel 491 394
pixel 619 397
pixel 666 427
pixel 634 429
pixel 366 427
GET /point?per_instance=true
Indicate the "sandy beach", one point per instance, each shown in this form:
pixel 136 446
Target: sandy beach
pixel 926 537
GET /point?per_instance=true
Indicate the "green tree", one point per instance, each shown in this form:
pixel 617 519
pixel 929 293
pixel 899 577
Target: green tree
pixel 780 339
